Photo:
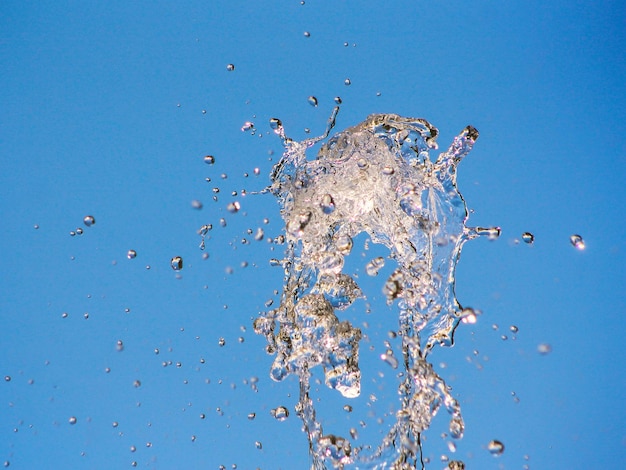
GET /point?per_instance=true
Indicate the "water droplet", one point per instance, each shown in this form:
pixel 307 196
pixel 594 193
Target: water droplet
pixel 312 101
pixel 338 100
pixel 281 413
pixel 347 82
pixel 177 263
pixel 528 237
pixel 374 266
pixel 327 204
pixel 7 378
pixel 209 159
pixel 514 328
pixel 137 383
pixel 221 342
pixel 119 345
pixel 456 465
pixel 89 220
pixel 307 34
pixel 79 231
pixel 230 67
pixel 196 204
pixel 258 445
pixel 577 241
pixel 251 416
pixel 72 420
pixel 544 348
pixel 233 207
pixel 495 447
pixel 247 126
pixel 131 254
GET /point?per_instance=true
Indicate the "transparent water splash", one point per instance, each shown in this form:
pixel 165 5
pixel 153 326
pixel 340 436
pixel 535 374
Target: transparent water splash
pixel 375 178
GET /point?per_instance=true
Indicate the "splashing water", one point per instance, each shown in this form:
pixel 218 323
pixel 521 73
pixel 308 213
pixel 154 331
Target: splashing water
pixel 375 178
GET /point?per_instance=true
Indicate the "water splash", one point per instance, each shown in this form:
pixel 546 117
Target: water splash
pixel 375 178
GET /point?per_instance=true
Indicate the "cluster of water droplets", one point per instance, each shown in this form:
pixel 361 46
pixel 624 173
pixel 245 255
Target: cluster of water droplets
pixel 375 178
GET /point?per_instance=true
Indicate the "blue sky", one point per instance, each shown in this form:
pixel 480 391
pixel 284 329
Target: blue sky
pixel 109 109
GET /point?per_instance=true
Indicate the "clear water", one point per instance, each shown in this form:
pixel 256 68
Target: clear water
pixel 375 181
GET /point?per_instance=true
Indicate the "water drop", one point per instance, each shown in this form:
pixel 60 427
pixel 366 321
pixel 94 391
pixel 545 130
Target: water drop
pixel 221 342
pixel 496 448
pixel 233 207
pixel 327 204
pixel 577 241
pixel 281 413
pixel 456 465
pixel 72 420
pixel 528 237
pixel 230 67
pixel 374 266
pixel 177 263
pixel 7 378
pixel 131 254
pixel 338 100
pixel 251 416
pixel 196 204
pixel 312 101
pixel 247 126
pixel 89 220
pixel 307 34
pixel 137 383
pixel 347 82
pixel 544 349
pixel 258 445
pixel 119 346
pixel 79 231
pixel 209 159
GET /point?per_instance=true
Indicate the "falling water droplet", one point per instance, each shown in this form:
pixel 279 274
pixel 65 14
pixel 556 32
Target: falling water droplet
pixel 338 100
pixel 230 67
pixel 131 254
pixel 544 349
pixel 347 82
pixel 312 101
pixel 247 126
pixel 374 266
pixel 307 34
pixel 72 420
pixel 209 159
pixel 528 237
pixel 176 263
pixel 89 220
pixel 281 413
pixel 496 448
pixel 577 241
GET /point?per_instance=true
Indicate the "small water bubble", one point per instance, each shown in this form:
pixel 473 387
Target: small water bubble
pixel 196 204
pixel 72 233
pixel 347 82
pixel 496 448
pixel 307 34
pixel 230 67
pixel 514 329
pixel 209 159
pixel 469 316
pixel 79 231
pixel 312 101
pixel 338 100
pixel 347 408
pixel 119 346
pixel 176 263
pixel 72 420
pixel 528 237
pixel 251 416
pixel 131 254
pixel 577 241
pixel 221 342
pixel 258 445
pixel 258 236
pixel 7 378
pixel 89 220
